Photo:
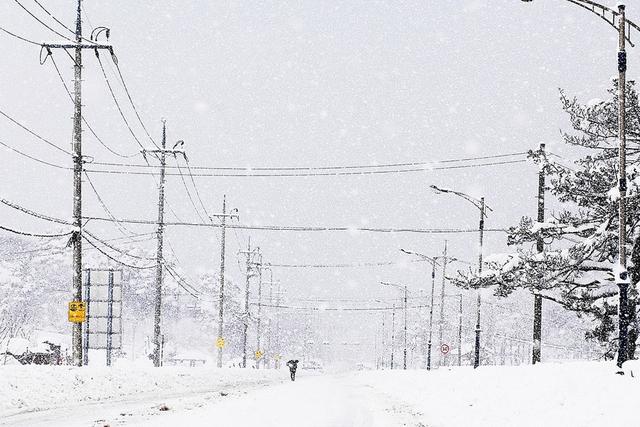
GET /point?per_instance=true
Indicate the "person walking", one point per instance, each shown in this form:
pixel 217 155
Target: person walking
pixel 293 365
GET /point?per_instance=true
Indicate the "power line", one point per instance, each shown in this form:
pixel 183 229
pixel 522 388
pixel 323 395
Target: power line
pixel 347 265
pixel 182 282
pixel 33 213
pixel 43 23
pixel 305 228
pixel 62 250
pixel 19 37
pixel 115 259
pixel 15 150
pixel 193 181
pixel 24 233
pixel 122 228
pixel 46 141
pixel 133 105
pixel 113 248
pixel 320 168
pixel 84 120
pixel 338 308
pixel 53 17
pixel 189 194
pixel 115 100
pixel 258 227
pixel 311 174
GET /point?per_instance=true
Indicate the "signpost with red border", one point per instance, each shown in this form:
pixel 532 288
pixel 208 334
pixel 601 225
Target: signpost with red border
pixel 444 348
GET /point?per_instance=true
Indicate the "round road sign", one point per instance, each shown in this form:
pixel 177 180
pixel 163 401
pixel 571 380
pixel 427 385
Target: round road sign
pixel 444 348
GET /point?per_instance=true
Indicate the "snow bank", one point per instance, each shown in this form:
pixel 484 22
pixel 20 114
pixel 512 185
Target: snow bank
pixel 571 394
pixel 34 388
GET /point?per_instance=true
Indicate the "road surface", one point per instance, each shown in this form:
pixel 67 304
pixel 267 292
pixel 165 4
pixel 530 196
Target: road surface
pixel 340 400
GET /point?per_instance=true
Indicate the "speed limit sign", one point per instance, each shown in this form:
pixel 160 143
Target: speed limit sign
pixel 444 348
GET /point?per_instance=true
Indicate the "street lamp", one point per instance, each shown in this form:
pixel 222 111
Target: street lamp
pixel 479 204
pixel 618 21
pixel 402 287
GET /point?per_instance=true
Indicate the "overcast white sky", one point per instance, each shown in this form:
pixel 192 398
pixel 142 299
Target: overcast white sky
pixel 310 83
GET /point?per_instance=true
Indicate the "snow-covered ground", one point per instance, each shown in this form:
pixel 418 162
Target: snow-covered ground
pixel 570 394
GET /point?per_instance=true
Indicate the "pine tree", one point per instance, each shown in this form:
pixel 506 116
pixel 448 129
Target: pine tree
pixel 576 269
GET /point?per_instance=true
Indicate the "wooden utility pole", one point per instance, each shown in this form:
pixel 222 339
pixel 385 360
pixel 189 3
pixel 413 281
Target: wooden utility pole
pixel 537 298
pixel 223 220
pixel 269 349
pixel 161 155
pixel 259 351
pixel 157 337
pixel 433 285
pixel 76 334
pixel 441 323
pixel 245 329
pixel 393 331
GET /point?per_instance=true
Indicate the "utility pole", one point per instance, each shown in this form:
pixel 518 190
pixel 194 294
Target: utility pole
pixel 441 325
pixel 382 344
pixel 269 350
pixel 393 331
pixel 161 154
pixel 77 47
pixel 460 332
pixel 537 298
pixel 623 279
pixel 259 320
pixel 246 307
pixel 404 361
pixel 433 285
pixel 476 360
pixel 157 337
pixel 245 329
pixel 402 288
pixel 278 356
pixel 223 220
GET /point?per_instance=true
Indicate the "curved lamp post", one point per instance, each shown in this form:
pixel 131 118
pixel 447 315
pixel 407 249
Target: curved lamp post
pixel 618 20
pixel 479 204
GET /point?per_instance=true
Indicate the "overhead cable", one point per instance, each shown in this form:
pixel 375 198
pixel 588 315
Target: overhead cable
pixel 115 259
pixel 84 120
pixel 35 159
pixel 311 174
pixel 46 141
pixel 19 37
pixel 42 22
pixel 321 168
pixel 24 233
pixel 339 308
pixel 304 228
pixel 115 100
pixel 133 105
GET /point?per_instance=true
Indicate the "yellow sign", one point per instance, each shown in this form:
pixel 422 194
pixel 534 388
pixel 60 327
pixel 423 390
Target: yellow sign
pixel 220 342
pixel 77 312
pixel 259 355
pixel 278 357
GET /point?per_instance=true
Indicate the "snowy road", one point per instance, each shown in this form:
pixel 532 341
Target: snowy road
pixel 319 400
pixel 586 394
